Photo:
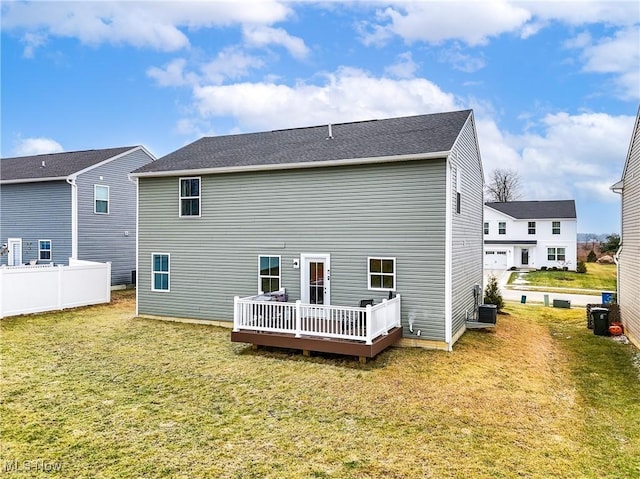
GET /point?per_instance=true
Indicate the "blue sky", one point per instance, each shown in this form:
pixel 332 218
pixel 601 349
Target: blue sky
pixel 555 86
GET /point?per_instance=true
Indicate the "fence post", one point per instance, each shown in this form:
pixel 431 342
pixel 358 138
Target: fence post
pixel 236 314
pixel 60 285
pixel 298 318
pixel 108 282
pixel 2 270
pixel 368 314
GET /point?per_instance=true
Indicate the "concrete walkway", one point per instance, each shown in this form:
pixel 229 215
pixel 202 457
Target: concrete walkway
pixel 515 293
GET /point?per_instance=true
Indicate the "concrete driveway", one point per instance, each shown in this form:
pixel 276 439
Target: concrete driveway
pixel 515 293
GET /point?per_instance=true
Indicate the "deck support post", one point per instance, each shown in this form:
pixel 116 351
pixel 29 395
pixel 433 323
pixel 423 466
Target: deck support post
pixel 298 318
pixel 369 338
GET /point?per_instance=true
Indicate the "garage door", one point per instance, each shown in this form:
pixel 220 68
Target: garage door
pixel 495 259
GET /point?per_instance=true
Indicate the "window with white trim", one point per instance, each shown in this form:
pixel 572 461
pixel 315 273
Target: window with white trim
pixel 502 228
pixel 190 196
pixel 381 273
pixel 269 274
pixel 160 271
pixel 486 228
pixel 555 227
pixel 101 199
pixel 458 190
pixel 556 254
pixel 532 227
pixel 44 250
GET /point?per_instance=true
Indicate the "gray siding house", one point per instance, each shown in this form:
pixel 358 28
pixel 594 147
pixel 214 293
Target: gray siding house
pixel 78 204
pixel 628 256
pixel 333 214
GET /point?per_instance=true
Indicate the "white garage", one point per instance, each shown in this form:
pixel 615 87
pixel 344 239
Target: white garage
pixel 495 259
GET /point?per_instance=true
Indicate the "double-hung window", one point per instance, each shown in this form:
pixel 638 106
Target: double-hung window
pixel 486 228
pixel 532 227
pixel 502 228
pixel 190 196
pixel 101 199
pixel 44 250
pixel 556 254
pixel 381 273
pixel 555 227
pixel 268 274
pixel 160 272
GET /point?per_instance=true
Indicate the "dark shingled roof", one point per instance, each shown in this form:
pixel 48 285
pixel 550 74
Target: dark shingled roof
pixel 537 209
pixel 56 165
pixel 363 139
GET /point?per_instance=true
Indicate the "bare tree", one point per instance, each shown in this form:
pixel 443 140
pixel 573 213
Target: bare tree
pixel 503 185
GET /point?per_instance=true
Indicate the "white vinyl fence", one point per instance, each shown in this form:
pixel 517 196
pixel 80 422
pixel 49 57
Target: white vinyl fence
pixel 34 289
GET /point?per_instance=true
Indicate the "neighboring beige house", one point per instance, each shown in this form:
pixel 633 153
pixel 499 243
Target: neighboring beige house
pixel 628 256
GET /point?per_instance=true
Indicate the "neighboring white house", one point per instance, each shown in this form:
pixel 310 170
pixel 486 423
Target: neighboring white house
pixel 530 234
pixel 628 257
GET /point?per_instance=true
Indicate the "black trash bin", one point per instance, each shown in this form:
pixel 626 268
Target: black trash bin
pixel 600 318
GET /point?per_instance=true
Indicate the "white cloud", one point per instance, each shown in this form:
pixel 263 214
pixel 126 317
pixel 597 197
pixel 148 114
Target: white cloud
pixel 36 146
pixel 434 22
pixel 461 61
pixel 574 156
pixel 404 67
pixel 261 36
pixel 618 54
pixel 155 25
pixel 231 63
pixel 346 95
pixel 172 74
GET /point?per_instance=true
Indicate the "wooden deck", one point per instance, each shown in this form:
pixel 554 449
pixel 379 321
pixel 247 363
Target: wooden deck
pixel 318 344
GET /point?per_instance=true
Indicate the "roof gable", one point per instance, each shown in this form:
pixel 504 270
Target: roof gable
pixel 634 146
pixel 54 165
pixel 555 209
pixel 413 135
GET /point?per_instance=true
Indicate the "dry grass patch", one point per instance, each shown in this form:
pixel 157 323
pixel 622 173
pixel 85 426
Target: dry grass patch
pixel 108 396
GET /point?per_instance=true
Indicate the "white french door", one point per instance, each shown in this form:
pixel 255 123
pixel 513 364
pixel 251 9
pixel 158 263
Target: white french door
pixel 315 279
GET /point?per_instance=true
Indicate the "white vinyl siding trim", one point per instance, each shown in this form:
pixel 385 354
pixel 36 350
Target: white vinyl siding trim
pixel 45 250
pixel 190 200
pixel 101 199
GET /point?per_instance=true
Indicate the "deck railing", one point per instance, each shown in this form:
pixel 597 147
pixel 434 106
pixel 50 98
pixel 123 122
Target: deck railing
pixel 326 321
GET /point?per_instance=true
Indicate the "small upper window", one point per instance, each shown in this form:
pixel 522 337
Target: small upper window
pixel 502 228
pixel 486 228
pixel 189 196
pixel 532 227
pixel 160 272
pixel 382 273
pixel 101 196
pixel 44 250
pixel 555 227
pixel 268 274
pixel 458 190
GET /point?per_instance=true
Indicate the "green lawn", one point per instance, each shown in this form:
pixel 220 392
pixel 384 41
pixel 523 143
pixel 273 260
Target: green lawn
pixel 100 394
pixel 599 277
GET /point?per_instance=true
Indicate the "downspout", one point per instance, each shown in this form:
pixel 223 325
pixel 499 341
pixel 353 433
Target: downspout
pixel 74 216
